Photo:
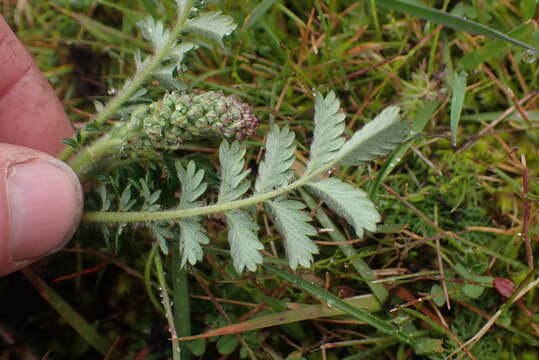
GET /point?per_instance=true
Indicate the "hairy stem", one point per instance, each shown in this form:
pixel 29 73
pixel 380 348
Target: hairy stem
pixel 176 355
pixel 85 160
pixel 145 216
pixel 138 79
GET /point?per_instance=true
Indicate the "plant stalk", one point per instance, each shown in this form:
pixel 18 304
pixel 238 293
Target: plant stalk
pixel 180 297
pixel 138 79
pixel 165 300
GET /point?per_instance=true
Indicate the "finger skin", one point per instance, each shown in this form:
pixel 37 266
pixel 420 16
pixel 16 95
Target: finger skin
pixel 31 115
pixel 48 219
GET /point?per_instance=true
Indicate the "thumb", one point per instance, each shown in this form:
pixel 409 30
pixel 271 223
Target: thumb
pixel 40 206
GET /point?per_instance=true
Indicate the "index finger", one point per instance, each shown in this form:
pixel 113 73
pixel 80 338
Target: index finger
pixel 31 114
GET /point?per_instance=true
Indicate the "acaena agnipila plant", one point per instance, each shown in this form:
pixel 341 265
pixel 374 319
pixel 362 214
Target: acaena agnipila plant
pixel 181 116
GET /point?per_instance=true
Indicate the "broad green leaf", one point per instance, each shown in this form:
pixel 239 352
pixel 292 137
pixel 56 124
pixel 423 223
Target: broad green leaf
pixel 377 138
pixel 191 232
pixel 292 223
pixel 349 202
pixel 427 346
pixel 212 25
pixel 197 347
pixel 437 294
pixel 244 244
pixel 449 20
pixel 227 344
pixel 233 184
pixel 328 129
pixel 274 171
pixel 457 102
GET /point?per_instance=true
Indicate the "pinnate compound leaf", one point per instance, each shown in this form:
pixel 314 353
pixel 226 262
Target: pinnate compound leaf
pixel 154 31
pixel 377 138
pixel 274 171
pixel 244 243
pixel 293 224
pixel 191 235
pixel 233 184
pixel 328 129
pixel 213 25
pixel 349 202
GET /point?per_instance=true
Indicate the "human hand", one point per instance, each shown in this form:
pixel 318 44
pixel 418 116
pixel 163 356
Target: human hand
pixel 40 197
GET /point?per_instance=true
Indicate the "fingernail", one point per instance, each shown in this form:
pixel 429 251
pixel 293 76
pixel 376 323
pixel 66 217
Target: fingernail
pixel 45 205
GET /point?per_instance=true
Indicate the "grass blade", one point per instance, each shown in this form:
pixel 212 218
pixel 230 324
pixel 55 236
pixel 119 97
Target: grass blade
pixel 457 101
pixel 257 13
pixel 495 48
pixel 449 20
pixel 68 314
pixel 304 312
pixel 333 301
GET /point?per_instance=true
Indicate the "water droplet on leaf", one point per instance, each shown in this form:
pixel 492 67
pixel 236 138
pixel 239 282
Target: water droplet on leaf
pixel 529 56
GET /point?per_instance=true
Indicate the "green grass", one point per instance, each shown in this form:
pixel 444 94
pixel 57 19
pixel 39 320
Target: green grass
pixel 453 215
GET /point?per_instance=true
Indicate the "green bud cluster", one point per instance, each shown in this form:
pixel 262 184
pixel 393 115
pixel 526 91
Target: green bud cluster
pixel 178 118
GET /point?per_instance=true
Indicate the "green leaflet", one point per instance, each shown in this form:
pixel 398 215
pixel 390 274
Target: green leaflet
pixel 293 224
pixel 178 52
pixel 274 171
pixel 244 243
pixel 242 237
pixel 155 32
pixel 233 184
pixel 191 239
pixel 348 201
pixel 329 126
pixel 377 138
pixel 191 232
pixel 212 25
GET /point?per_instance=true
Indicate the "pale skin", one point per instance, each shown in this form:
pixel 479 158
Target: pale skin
pixel 40 197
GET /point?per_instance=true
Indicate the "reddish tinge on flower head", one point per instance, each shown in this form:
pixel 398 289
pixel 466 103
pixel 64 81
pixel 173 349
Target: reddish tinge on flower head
pixel 178 118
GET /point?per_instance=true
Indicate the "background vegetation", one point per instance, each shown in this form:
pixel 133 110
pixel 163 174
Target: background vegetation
pixel 459 219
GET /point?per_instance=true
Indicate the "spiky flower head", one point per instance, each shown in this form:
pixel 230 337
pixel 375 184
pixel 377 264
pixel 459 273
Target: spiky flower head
pixel 178 118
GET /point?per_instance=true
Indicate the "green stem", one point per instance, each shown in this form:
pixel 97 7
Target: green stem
pixel 148 277
pixel 180 297
pixel 145 216
pixel 140 77
pixel 85 160
pixel 176 354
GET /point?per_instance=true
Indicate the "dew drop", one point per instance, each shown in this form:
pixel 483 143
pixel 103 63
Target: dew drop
pixel 529 56
pixel 519 234
pixel 111 91
pixel 329 304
